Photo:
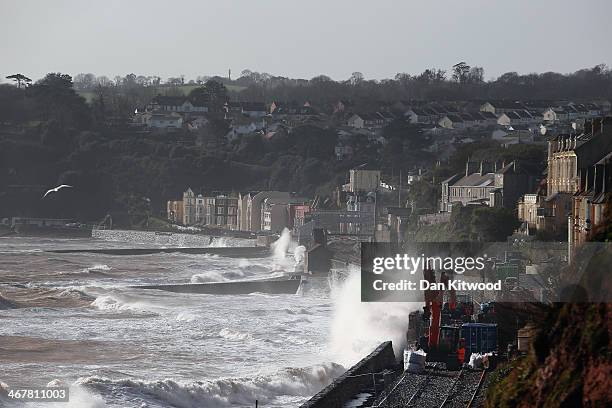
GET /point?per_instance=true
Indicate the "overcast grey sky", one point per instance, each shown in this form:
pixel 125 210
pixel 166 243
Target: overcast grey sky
pixel 301 38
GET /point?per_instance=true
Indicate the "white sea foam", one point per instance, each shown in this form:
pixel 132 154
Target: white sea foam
pixel 230 334
pixel 207 277
pixel 98 268
pixel 80 397
pixel 299 253
pixel 125 302
pixel 187 316
pixel 228 392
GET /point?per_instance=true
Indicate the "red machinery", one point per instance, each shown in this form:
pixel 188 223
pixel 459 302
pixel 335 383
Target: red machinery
pixel 442 341
pixel 433 304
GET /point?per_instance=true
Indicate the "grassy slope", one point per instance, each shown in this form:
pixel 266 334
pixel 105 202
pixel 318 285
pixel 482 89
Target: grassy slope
pixel 185 89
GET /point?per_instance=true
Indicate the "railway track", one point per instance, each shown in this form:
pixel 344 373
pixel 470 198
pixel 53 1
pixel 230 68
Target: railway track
pixel 435 388
pixel 464 389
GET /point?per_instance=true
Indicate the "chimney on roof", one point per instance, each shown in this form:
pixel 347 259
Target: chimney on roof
pixel 581 180
pixel 470 167
pixel 589 179
pixel 596 126
pixel 485 167
pixel 598 178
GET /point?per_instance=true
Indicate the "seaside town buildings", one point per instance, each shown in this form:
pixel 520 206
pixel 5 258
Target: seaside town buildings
pixel 174 210
pixel 215 209
pixel 491 184
pixel 272 211
pixel 563 126
pixel 575 184
pixel 269 211
pixel 362 180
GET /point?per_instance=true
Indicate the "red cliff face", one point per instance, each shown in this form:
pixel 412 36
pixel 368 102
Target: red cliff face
pixel 568 366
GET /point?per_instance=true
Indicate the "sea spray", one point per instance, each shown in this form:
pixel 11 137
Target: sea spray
pixel 281 245
pixel 299 253
pixel 358 327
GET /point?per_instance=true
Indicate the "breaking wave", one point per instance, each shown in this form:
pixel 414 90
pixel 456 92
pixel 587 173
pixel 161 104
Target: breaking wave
pixel 295 383
pixel 32 296
pixel 123 303
pixel 98 268
pixel 230 334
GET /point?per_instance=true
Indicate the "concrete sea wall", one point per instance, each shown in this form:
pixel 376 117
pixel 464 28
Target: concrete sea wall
pixel 239 252
pixel 351 382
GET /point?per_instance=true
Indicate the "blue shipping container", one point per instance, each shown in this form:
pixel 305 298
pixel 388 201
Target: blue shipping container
pixel 479 337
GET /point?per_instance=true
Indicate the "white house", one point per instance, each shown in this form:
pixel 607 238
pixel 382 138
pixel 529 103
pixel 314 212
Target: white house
pixel 551 115
pixel 238 129
pixel 499 107
pixel 488 118
pixel 509 118
pixel 525 117
pixel 421 115
pixel 452 121
pixel 366 121
pixel 179 104
pixel 166 121
pixel 469 120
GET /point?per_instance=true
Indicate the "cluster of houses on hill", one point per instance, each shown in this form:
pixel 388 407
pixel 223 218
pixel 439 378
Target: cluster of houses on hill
pixel 504 113
pixel 442 124
pixel 570 201
pixel 578 185
pixel 172 112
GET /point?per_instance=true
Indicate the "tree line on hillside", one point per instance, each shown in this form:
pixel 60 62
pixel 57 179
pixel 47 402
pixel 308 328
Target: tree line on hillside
pixel 460 82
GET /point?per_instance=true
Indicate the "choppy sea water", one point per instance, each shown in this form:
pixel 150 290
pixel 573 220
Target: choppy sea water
pixel 70 319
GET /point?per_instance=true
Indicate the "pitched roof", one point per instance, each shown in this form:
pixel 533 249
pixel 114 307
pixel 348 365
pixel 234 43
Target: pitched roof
pixel 512 115
pixel 507 104
pixel 488 115
pixel 523 114
pixel 454 118
pixel 452 178
pixel 418 112
pixel 386 115
pixel 477 180
pixel 467 117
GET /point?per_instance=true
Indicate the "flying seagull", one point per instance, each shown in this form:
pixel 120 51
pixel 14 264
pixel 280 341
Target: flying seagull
pixel 56 189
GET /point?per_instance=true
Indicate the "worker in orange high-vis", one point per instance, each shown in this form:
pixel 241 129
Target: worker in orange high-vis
pixel 461 351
